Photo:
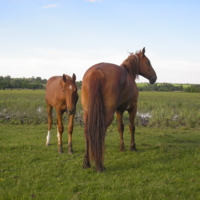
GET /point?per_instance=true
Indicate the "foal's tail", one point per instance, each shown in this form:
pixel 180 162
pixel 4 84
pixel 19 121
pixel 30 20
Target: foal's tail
pixel 96 120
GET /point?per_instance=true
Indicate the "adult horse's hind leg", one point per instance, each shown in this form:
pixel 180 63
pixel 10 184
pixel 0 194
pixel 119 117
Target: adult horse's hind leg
pixel 50 122
pixel 70 130
pixel 121 130
pixel 60 129
pixel 86 159
pixel 132 114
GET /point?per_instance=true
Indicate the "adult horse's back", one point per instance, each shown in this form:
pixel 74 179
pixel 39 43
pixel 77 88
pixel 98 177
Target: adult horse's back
pixel 106 89
pixel 61 93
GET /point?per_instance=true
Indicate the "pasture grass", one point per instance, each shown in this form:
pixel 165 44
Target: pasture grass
pixel 167 109
pixel 143 84
pixel 166 165
pixel 172 109
pixel 22 106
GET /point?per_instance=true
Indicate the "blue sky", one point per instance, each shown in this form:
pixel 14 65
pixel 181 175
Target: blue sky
pixel 43 38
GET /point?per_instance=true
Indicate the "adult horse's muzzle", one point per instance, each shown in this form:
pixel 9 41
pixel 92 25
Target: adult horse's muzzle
pixel 153 79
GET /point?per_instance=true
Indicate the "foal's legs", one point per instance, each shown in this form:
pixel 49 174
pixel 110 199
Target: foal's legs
pixel 132 114
pixel 121 130
pixel 70 130
pixel 50 121
pixel 60 129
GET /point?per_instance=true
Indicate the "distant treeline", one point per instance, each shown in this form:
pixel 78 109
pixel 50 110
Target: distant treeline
pixel 25 83
pixel 193 88
pixel 39 83
pixel 169 87
pixel 22 83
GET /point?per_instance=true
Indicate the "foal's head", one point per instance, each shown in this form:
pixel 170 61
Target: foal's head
pixel 145 68
pixel 69 89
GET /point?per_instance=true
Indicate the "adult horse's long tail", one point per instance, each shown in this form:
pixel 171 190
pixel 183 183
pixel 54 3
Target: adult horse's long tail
pixel 96 120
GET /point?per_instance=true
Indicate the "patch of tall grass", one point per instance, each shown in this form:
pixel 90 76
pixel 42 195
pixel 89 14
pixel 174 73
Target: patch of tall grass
pixel 172 109
pixel 168 109
pixel 22 106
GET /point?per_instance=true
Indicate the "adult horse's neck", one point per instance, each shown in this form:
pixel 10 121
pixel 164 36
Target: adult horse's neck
pixel 131 64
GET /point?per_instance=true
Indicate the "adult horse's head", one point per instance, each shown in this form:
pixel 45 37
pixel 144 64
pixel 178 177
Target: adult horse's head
pixel 69 88
pixel 145 68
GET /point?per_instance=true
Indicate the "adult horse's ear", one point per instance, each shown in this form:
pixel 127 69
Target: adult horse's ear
pixel 143 51
pixel 74 77
pixel 64 78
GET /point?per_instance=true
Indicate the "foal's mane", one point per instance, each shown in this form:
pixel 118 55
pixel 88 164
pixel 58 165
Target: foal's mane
pixel 131 64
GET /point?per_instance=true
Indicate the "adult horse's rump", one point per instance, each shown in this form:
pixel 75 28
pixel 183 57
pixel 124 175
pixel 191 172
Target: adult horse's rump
pixel 61 93
pixel 106 89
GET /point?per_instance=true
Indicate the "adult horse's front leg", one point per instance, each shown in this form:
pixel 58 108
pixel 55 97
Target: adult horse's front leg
pixel 60 130
pixel 132 114
pixel 70 131
pixel 121 130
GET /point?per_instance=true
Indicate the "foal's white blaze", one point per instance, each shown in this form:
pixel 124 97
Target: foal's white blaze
pixel 48 137
pixel 70 87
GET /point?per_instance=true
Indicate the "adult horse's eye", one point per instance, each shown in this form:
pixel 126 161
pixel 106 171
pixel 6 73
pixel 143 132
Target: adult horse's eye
pixel 148 62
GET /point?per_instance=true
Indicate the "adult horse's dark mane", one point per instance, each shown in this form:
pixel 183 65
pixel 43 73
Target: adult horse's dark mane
pixel 131 65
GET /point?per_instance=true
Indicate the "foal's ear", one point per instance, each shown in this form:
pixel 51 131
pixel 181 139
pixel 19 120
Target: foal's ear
pixel 64 78
pixel 74 77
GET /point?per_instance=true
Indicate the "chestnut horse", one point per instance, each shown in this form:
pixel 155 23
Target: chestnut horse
pixel 106 89
pixel 61 93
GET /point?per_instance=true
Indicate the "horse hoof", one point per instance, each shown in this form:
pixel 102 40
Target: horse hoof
pixel 122 149
pixel 47 144
pixel 70 152
pixel 86 166
pixel 103 169
pixel 60 151
pixel 133 149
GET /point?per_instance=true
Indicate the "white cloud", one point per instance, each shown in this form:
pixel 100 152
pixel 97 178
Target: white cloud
pixel 49 6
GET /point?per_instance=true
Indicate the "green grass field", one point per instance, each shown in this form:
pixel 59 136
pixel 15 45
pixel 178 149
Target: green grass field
pixel 166 165
pixel 143 84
